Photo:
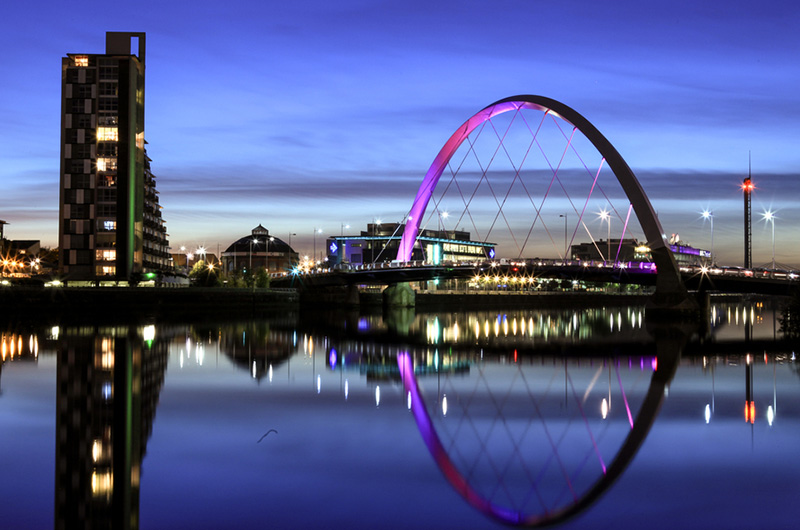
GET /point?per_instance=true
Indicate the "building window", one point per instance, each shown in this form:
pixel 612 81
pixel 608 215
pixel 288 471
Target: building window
pixel 106 210
pixel 106 164
pixel 77 106
pixel 81 151
pixel 106 181
pixel 107 195
pixel 107 134
pixel 84 91
pixel 107 150
pixel 108 104
pixel 106 255
pixel 109 226
pixel 76 166
pixel 82 60
pixel 108 89
pixel 82 121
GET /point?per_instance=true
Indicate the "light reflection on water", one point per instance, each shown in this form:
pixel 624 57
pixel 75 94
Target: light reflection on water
pixel 225 421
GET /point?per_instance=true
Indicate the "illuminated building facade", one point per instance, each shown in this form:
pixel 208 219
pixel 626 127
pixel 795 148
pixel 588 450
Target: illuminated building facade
pixel 110 225
pixel 631 250
pixel 380 242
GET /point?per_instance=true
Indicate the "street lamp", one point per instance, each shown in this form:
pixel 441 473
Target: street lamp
pixel 606 216
pixel 566 250
pixel 769 217
pixel 709 215
pixel 316 231
pixel 252 242
pixel 270 240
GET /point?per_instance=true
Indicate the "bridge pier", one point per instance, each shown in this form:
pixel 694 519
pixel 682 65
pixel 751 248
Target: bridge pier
pixel 399 295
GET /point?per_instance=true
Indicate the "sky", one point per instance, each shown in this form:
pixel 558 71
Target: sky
pixel 311 115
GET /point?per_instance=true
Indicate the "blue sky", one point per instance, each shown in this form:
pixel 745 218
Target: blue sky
pixel 315 114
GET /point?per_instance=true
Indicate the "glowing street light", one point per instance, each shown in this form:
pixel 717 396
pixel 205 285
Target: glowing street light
pixel 316 231
pixel 769 217
pixel 606 216
pixel 709 216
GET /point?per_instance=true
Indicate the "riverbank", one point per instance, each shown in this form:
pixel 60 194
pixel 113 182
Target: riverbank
pixel 108 304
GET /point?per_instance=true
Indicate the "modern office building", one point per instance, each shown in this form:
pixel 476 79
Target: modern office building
pixel 380 241
pixel 110 225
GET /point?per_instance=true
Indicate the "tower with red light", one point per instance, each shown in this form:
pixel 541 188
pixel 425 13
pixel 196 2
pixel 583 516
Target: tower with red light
pixel 747 188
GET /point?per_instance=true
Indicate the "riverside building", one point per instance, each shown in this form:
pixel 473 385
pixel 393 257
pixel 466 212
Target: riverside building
pixel 110 224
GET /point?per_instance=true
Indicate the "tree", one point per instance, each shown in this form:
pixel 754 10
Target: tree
pixel 203 275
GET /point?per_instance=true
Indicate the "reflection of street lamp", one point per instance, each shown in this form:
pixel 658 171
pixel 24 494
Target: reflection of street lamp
pixel 769 217
pixel 710 217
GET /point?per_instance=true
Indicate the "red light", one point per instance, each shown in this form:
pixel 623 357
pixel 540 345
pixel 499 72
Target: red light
pixel 749 411
pixel 515 355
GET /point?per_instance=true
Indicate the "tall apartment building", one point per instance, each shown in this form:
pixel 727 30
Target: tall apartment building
pixel 110 225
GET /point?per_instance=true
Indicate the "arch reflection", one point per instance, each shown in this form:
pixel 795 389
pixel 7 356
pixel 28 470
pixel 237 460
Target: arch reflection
pixel 534 456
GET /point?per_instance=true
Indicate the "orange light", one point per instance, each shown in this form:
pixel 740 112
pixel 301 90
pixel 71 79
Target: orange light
pixel 749 411
pixel 515 355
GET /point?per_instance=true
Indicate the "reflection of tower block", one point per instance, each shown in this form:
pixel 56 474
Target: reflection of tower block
pixel 107 385
pixel 749 404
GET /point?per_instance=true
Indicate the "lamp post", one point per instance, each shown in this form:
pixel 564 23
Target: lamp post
pixel 250 267
pixel 709 215
pixel 314 256
pixel 566 250
pixel 769 216
pixel 269 240
pixel 343 226
pixel 606 216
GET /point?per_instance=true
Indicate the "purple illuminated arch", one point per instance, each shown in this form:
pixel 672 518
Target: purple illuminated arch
pixel 669 288
pixel 668 357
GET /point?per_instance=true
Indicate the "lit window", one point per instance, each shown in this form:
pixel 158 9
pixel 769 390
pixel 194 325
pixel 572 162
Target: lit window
pixel 109 270
pixel 109 225
pixel 81 60
pixel 107 255
pixel 107 134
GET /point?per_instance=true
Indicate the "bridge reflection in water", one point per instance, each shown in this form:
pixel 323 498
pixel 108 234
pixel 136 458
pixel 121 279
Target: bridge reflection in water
pixel 531 422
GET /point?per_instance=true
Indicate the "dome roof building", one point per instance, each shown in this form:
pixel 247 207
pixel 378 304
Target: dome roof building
pixel 259 250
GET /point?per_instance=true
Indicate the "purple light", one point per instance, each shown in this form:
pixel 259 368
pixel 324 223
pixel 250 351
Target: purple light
pixel 332 359
pixel 334 247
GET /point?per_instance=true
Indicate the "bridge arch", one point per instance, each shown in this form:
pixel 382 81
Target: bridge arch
pixel 668 356
pixel 670 291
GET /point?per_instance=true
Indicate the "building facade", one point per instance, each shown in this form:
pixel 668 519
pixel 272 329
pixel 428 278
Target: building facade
pixel 257 251
pixel 380 241
pixel 110 225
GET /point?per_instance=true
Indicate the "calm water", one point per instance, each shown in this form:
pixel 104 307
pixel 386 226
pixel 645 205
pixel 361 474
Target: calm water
pixel 584 418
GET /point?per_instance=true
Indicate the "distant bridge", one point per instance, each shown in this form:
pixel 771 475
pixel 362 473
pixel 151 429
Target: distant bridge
pixel 522 165
pixel 527 274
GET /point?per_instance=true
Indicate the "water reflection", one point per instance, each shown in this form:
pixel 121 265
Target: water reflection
pixel 531 423
pixel 108 380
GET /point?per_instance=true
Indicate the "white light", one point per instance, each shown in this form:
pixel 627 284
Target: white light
pixel 346 388
pixel 444 405
pixel 377 396
pixel 708 413
pixel 604 408
pixel 770 415
pixel 408 400
pixel 319 383
pixel 149 332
